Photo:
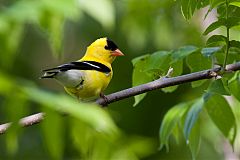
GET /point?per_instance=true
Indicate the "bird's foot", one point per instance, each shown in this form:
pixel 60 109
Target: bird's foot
pixel 105 100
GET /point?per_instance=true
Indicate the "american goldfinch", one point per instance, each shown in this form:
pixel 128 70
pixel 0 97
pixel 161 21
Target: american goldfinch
pixel 88 77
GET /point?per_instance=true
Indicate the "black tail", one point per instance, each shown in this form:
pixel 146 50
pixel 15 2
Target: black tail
pixel 49 74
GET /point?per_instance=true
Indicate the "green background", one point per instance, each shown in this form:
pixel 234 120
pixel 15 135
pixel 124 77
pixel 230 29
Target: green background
pixel 35 35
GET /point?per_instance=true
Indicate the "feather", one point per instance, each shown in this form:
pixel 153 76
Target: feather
pixel 49 74
pixel 84 65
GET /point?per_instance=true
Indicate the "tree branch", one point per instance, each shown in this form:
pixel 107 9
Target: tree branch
pixel 157 84
pixel 24 122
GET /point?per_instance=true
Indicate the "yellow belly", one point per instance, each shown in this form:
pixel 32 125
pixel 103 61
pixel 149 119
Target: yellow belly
pixel 94 83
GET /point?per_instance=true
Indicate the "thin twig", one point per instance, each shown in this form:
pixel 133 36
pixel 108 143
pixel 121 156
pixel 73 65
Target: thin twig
pixel 157 84
pixel 24 122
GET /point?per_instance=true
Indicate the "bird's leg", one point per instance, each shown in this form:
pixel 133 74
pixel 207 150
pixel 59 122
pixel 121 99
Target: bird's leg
pixel 105 99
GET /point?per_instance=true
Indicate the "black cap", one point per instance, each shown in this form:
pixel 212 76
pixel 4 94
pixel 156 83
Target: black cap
pixel 110 45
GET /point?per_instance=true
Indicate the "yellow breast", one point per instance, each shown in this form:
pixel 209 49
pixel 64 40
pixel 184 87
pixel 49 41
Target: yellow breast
pixel 94 83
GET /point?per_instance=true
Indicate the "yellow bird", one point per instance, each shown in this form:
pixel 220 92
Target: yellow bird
pixel 88 77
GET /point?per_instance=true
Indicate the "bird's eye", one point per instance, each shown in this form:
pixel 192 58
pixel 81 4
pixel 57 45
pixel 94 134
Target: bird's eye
pixel 110 45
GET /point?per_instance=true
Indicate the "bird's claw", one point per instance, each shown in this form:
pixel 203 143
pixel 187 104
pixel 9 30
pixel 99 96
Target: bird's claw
pixel 105 99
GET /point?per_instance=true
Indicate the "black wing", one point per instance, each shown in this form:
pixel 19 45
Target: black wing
pixel 84 65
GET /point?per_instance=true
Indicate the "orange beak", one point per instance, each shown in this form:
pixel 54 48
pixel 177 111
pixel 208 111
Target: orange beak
pixel 117 52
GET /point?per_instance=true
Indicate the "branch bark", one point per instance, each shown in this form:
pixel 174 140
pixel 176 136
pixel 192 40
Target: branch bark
pixel 157 84
pixel 24 122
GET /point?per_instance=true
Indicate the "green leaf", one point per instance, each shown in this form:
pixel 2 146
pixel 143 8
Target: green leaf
pixel 220 22
pixel 23 11
pixel 220 55
pixel 234 43
pixel 234 55
pixel 15 109
pixel 232 21
pixel 139 146
pixel 140 58
pixel 139 98
pixel 49 15
pixel 56 34
pixel 183 52
pixel 91 114
pixel 235 3
pixel 208 52
pixel 221 114
pixel 177 133
pixel 217 86
pixel 158 65
pixel 11 39
pixel 159 61
pixel 188 7
pixel 197 62
pixel 215 3
pixel 195 139
pixel 170 121
pixel 234 85
pixel 177 70
pixel 221 10
pixel 192 117
pixel 66 8
pixel 219 40
pixel 102 11
pixel 82 136
pixel 53 131
pixel 53 25
pixel 7 84
pixel 139 75
pixel 202 4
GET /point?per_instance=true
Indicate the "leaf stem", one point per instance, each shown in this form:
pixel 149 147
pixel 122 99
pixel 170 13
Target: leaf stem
pixel 227 44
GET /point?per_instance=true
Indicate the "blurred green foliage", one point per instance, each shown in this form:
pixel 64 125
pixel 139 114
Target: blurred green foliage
pixel 38 34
